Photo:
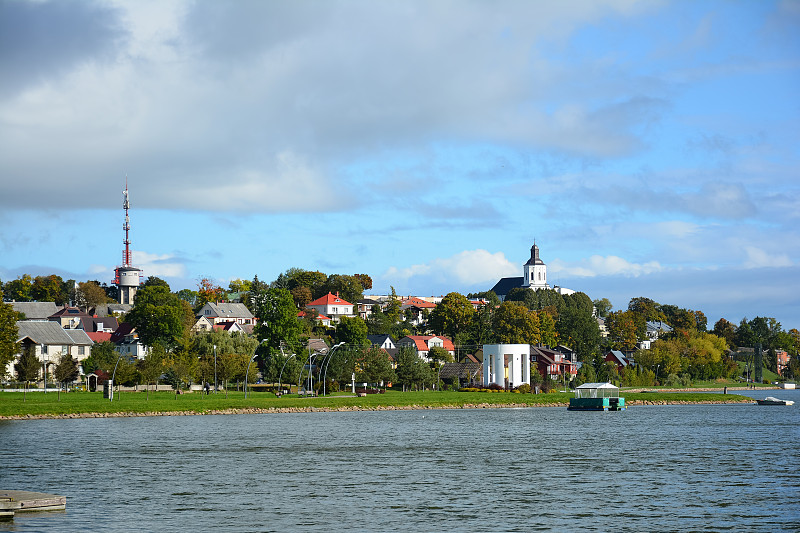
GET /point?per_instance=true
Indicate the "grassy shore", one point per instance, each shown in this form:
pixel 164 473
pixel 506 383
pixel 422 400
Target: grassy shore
pixel 83 404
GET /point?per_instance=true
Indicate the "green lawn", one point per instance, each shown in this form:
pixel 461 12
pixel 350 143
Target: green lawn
pixel 38 403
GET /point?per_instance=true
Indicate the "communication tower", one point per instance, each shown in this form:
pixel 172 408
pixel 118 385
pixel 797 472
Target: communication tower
pixel 127 277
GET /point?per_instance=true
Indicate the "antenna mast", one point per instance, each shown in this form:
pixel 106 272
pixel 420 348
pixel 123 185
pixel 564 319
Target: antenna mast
pixel 126 254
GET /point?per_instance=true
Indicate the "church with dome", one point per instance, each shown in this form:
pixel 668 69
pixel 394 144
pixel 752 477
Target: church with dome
pixel 534 277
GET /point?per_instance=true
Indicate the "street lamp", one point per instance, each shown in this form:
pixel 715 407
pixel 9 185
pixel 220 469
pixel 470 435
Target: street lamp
pixel 215 369
pixel 247 372
pixel 113 375
pixel 327 362
pixel 44 367
pixel 280 376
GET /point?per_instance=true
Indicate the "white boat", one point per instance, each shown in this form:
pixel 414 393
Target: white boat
pixel 771 400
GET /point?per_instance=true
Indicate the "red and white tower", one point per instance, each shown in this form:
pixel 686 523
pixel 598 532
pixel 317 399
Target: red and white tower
pixel 127 277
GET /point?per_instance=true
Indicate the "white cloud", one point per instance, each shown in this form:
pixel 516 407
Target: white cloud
pixel 469 267
pixel 161 265
pixel 757 258
pixel 598 265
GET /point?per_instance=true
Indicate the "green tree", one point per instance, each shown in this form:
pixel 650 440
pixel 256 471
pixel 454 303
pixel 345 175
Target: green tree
pixel 513 323
pixel 439 355
pixel 579 330
pixel 373 366
pixel 348 287
pixel 89 294
pixel 103 356
pixel 452 316
pixel 603 306
pixel 352 330
pixel 152 366
pixel 490 296
pixel 411 370
pixel 9 347
pixel 27 367
pixel 622 330
pixel 48 289
pixel 154 281
pixel 159 316
pixel 66 371
pixel 725 330
pixel 19 290
pixel 277 320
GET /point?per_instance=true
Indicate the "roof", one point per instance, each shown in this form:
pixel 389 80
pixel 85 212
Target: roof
pixel 461 370
pixel 502 287
pixel 619 356
pixel 597 386
pixel 418 302
pixel 99 336
pixel 90 323
pixel 534 260
pixel 35 310
pixel 379 339
pixel 421 342
pixel 79 337
pixel 658 325
pixel 126 328
pixel 329 299
pixel 69 312
pixel 47 333
pixel 320 316
pixel 229 310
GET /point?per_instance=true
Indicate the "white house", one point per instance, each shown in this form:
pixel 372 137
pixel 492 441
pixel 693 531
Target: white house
pixel 424 343
pixel 225 312
pixel 507 365
pixel 50 341
pixel 332 306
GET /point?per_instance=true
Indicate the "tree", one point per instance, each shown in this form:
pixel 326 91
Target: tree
pixel 154 281
pixel 27 367
pixel 158 316
pixel 365 280
pixel 48 289
pixel 725 330
pixel 348 287
pixel 187 295
pixel 373 366
pixel 411 370
pixel 9 347
pixel 208 291
pixel 490 296
pixel 103 356
pixel 90 294
pixel 301 296
pixel 66 371
pixel 352 330
pixel 277 319
pixel 547 329
pixel 452 315
pixel 646 308
pixel 239 285
pixel 603 306
pixel 19 289
pixel 580 331
pixel 622 330
pixel 152 366
pixel 513 323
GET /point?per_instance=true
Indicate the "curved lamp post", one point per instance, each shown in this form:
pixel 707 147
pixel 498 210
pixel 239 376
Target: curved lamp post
pixel 280 376
pixel 215 369
pixel 326 362
pixel 111 388
pixel 255 352
pixel 309 361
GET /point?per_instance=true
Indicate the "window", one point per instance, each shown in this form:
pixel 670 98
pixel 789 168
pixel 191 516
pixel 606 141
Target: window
pixel 81 350
pixel 44 348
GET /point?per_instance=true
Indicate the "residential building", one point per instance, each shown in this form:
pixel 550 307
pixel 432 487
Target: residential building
pixel 50 341
pixel 416 310
pixel 423 344
pixel 227 311
pixel 69 317
pixel 35 310
pixel 618 358
pixel 332 306
pixel 553 364
pixel 128 343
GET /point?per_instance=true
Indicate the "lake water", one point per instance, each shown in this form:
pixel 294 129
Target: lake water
pixel 665 468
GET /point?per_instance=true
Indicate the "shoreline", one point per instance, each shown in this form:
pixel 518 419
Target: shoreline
pixel 342 409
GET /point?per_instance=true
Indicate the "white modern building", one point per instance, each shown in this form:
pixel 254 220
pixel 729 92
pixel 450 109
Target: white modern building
pixel 507 365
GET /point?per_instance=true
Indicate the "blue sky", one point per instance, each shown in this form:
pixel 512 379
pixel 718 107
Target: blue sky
pixel 650 148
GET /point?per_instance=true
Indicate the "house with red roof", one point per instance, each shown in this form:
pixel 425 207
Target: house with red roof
pixel 423 344
pixel 331 305
pixel 552 363
pixel 322 319
pixel 416 309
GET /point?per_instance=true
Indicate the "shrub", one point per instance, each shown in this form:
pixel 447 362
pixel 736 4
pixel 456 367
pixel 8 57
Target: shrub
pixel 525 388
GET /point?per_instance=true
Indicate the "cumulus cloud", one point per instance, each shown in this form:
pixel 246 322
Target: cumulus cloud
pixel 160 265
pixel 469 267
pixel 598 265
pixel 758 258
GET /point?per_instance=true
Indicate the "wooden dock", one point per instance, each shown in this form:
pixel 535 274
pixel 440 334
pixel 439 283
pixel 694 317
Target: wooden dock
pixel 21 501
